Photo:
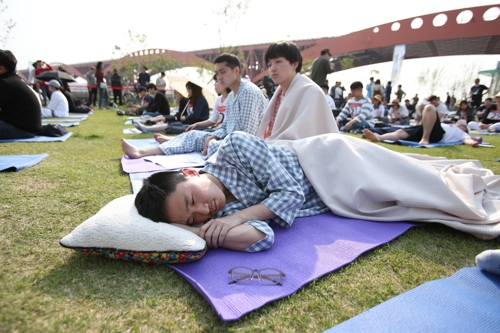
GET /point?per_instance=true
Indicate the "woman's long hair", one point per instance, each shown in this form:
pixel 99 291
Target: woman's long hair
pixel 195 92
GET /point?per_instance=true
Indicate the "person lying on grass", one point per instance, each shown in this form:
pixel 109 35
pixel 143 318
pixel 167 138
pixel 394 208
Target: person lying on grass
pixel 231 202
pixel 431 130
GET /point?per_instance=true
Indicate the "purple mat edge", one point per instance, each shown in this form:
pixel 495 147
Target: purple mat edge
pixel 201 290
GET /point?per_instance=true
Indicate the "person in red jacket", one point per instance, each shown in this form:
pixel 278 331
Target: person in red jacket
pixel 40 67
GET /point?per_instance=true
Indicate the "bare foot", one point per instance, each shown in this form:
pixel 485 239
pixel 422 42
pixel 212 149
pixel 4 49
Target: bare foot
pixel 160 138
pixel 131 151
pixel 371 136
pixel 423 142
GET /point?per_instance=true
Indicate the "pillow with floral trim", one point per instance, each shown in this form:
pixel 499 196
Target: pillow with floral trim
pixel 118 231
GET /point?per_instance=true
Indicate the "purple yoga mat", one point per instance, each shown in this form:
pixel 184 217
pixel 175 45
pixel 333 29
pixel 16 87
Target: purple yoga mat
pixel 311 248
pixel 130 165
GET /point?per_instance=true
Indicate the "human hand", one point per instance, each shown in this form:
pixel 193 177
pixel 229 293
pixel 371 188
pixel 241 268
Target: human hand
pixel 215 230
pixel 183 118
pixel 347 127
pixel 205 146
pixel 191 127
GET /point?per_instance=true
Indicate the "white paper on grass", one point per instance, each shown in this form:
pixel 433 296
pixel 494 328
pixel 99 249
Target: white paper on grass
pixel 173 162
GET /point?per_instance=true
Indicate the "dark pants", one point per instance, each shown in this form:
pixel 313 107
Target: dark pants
pixel 92 96
pixel 7 131
pixel 45 95
pixel 117 93
pixel 476 102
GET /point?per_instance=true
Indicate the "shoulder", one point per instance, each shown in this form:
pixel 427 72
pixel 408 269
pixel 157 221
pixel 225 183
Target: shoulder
pixel 202 99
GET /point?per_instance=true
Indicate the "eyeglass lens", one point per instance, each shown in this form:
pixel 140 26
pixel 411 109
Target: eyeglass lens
pixel 267 275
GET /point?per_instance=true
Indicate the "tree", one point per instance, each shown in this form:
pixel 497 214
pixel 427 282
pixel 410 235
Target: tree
pixel 228 17
pixel 347 63
pixel 136 46
pixel 430 79
pixel 463 79
pixel 8 26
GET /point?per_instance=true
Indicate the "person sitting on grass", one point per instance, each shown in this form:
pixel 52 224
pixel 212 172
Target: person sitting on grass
pixel 431 130
pixel 482 109
pixel 231 202
pixel 358 111
pixel 491 118
pixel 218 112
pixel 298 108
pixel 146 101
pixel 160 104
pixel 20 108
pixel 244 107
pixel 72 104
pixel 193 112
pixel 465 111
pixel 58 106
pixel 398 114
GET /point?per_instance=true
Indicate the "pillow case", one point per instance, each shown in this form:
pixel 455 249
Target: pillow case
pixel 118 231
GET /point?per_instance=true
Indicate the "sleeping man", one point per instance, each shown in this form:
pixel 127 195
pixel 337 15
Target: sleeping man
pixel 231 202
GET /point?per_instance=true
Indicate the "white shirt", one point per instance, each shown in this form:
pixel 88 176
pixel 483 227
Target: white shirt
pixel 403 111
pixel 378 112
pixel 161 84
pixel 58 104
pixel 453 134
pixel 442 109
pixel 338 92
pixel 218 110
pixel 331 102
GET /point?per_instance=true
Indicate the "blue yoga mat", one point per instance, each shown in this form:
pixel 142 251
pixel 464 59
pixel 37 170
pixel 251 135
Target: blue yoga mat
pixel 19 162
pixel 468 301
pixel 136 180
pixel 41 139
pixel 65 124
pixel 430 145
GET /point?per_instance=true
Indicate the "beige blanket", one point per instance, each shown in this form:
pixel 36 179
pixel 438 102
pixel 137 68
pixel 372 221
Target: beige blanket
pixel 304 112
pixel 358 179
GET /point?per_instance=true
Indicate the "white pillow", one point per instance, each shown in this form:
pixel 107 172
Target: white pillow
pixel 118 231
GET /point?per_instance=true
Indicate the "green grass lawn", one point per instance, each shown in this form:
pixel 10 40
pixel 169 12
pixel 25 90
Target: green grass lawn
pixel 46 288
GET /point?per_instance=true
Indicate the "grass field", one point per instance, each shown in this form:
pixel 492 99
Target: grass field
pixel 46 288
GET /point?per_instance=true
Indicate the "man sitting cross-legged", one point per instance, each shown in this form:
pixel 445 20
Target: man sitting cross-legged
pixel 244 107
pixel 358 111
pixel 431 130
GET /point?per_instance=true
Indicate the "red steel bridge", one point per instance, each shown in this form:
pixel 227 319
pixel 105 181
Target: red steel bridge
pixel 464 31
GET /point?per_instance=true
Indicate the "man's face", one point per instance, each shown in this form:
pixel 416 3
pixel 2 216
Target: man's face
pixel 225 75
pixel 281 70
pixel 194 201
pixel 2 70
pixel 142 93
pixel 152 92
pixel 357 93
pixel 487 103
pixel 407 103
